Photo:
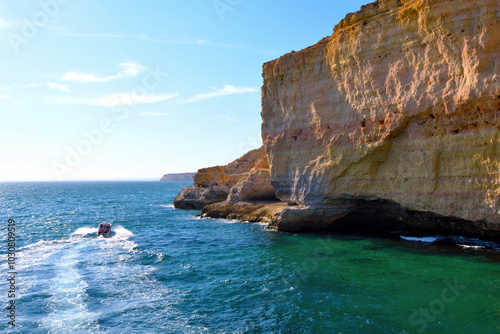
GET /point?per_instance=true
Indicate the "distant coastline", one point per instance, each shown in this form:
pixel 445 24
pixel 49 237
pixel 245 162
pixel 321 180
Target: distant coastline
pixel 177 177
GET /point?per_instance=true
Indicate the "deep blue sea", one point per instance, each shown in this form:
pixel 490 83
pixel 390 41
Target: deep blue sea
pixel 167 271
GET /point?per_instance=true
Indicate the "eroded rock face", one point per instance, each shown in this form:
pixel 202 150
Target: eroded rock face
pixel 212 176
pixel 249 160
pixel 254 185
pixel 400 104
pixel 245 211
pixel 246 178
pixel 228 175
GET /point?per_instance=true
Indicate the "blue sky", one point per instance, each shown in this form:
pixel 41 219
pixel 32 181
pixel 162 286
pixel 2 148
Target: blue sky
pixel 126 89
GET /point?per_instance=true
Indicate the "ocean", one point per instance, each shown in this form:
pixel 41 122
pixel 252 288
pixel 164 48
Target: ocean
pixel 168 271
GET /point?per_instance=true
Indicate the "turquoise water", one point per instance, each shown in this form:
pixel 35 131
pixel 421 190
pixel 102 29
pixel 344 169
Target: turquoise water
pixel 165 271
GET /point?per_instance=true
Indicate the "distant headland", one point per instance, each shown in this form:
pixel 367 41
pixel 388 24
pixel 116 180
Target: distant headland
pixel 178 177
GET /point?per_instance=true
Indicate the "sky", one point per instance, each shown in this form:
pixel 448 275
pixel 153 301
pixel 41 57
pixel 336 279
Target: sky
pixel 106 89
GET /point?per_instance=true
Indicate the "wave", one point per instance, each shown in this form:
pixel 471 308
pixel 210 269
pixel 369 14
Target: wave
pixel 84 231
pixel 117 232
pixel 122 232
pixel 67 305
pixel 472 247
pixel 167 206
pixel 227 220
pixel 463 242
pixel 421 239
pixel 43 243
pixel 39 252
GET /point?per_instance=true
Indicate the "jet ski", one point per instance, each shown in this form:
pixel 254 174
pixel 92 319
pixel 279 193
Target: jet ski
pixel 104 229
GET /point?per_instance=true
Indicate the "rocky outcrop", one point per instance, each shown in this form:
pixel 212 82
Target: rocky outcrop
pixel 254 212
pixel 213 176
pixel 254 185
pixel 400 106
pixel 254 158
pixel 196 198
pixel 177 177
pixel 228 175
pixel 246 178
pixel 375 217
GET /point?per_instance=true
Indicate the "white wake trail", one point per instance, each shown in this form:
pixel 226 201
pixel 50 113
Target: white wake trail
pixel 69 312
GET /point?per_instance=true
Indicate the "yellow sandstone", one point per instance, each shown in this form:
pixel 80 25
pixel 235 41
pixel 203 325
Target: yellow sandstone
pixel 401 104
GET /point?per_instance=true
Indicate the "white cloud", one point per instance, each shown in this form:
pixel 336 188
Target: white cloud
pixel 16 86
pixel 6 24
pixel 144 113
pixel 3 97
pixel 63 88
pixel 166 39
pixel 99 35
pixel 114 100
pixel 227 90
pixel 103 35
pixel 154 113
pixel 129 69
pixel 196 41
pixel 204 42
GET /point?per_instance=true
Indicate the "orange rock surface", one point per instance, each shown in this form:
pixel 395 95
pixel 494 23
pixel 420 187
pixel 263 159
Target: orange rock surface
pixel 254 185
pixel 246 178
pixel 229 174
pixel 401 103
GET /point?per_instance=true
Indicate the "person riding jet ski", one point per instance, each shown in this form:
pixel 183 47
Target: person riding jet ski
pixel 104 229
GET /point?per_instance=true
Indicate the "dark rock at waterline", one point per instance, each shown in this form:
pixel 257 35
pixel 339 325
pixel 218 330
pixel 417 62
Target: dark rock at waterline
pixel 358 216
pixel 262 212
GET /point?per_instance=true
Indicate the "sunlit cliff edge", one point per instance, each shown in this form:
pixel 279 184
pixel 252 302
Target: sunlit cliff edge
pixel 391 122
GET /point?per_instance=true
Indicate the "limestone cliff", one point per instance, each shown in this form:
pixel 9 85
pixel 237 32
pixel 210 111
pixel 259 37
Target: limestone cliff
pixel 196 198
pixel 254 185
pixel 229 174
pixel 401 105
pixel 246 178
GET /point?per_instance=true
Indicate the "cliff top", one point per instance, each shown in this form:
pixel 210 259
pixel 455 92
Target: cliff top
pixel 364 13
pixel 229 174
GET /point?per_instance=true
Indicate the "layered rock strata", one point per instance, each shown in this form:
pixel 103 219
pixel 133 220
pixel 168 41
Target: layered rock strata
pixel 246 178
pixel 254 212
pixel 254 185
pixel 400 106
pixel 196 198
